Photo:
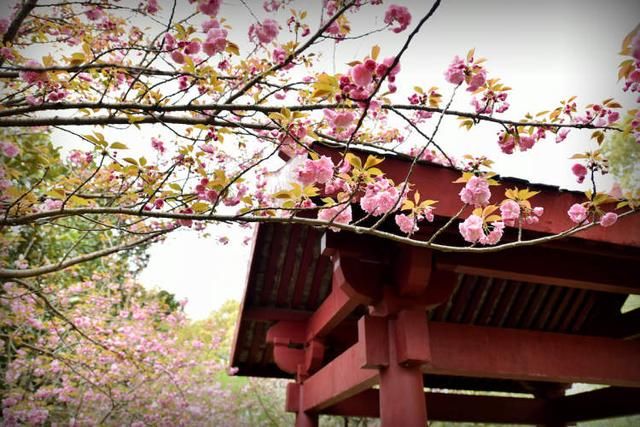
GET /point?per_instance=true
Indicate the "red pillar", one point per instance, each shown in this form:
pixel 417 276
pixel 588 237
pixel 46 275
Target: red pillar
pixel 402 400
pixel 305 419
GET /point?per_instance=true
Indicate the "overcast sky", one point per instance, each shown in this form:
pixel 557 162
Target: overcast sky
pixel 545 50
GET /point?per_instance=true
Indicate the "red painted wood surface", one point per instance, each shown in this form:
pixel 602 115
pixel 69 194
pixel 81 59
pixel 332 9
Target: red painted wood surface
pixel 455 408
pixel 338 380
pixel 478 351
pixel 401 389
pixel 435 182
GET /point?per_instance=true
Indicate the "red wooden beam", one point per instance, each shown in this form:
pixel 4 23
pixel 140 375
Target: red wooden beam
pixel 333 310
pixel 478 351
pixel 550 267
pixel 341 378
pixel 402 387
pixel 436 182
pixel 352 285
pixel 454 408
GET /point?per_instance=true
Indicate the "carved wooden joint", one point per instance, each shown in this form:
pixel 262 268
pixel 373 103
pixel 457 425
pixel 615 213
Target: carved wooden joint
pixel 412 338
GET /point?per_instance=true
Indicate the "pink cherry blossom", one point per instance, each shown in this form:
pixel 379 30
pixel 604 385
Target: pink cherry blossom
pixel 406 223
pixel 340 121
pixel 157 145
pixel 51 204
pixel 577 213
pixel 471 229
pixel 608 219
pixel 31 77
pixel 186 222
pixel 192 48
pixel 9 149
pixel 209 7
pixel 152 7
pixel 526 142
pixel 562 135
pixel 177 57
pixel 455 72
pixel 7 54
pixel 264 32
pixel 507 143
pixel 94 13
pixel 538 211
pixel 476 192
pixel 510 211
pixel 380 197
pixel 216 38
pixel 361 75
pixel 399 15
pixel 339 214
pixel 387 62
pixel 169 41
pixel 272 5
pixel 580 171
pixel 320 171
pixel 494 235
pixel 477 79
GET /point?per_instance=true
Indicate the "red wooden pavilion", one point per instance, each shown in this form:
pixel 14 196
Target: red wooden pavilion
pixel 367 327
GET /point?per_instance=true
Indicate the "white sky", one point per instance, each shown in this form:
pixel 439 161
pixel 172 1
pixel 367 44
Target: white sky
pixel 545 50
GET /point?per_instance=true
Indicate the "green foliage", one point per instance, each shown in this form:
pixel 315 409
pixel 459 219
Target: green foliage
pixel 623 152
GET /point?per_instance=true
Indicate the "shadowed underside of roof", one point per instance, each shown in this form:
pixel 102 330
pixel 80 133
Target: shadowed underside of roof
pixel 289 279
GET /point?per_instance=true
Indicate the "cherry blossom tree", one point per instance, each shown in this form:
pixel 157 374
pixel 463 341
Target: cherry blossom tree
pixel 222 116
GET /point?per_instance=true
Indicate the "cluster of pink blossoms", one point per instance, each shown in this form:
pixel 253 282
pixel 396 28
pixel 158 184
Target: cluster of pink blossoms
pixel 341 122
pixel 473 231
pixel 9 149
pixel 215 42
pixel 360 82
pixel 510 211
pixel 157 145
pixel 312 171
pixel 460 71
pixel 424 99
pixel 490 102
pixel 264 32
pixel 78 158
pixel 216 37
pixel 580 171
pixel 272 5
pixel 339 214
pixel 205 193
pixel 578 213
pixel 292 141
pixel 380 197
pixel 408 224
pixel 33 77
pixel 476 192
pixel 397 14
pixel 508 143
pixel 598 115
pixel 209 7
pixel 608 219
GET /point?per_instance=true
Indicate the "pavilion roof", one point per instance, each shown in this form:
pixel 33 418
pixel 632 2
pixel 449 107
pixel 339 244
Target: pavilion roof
pixel 573 286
